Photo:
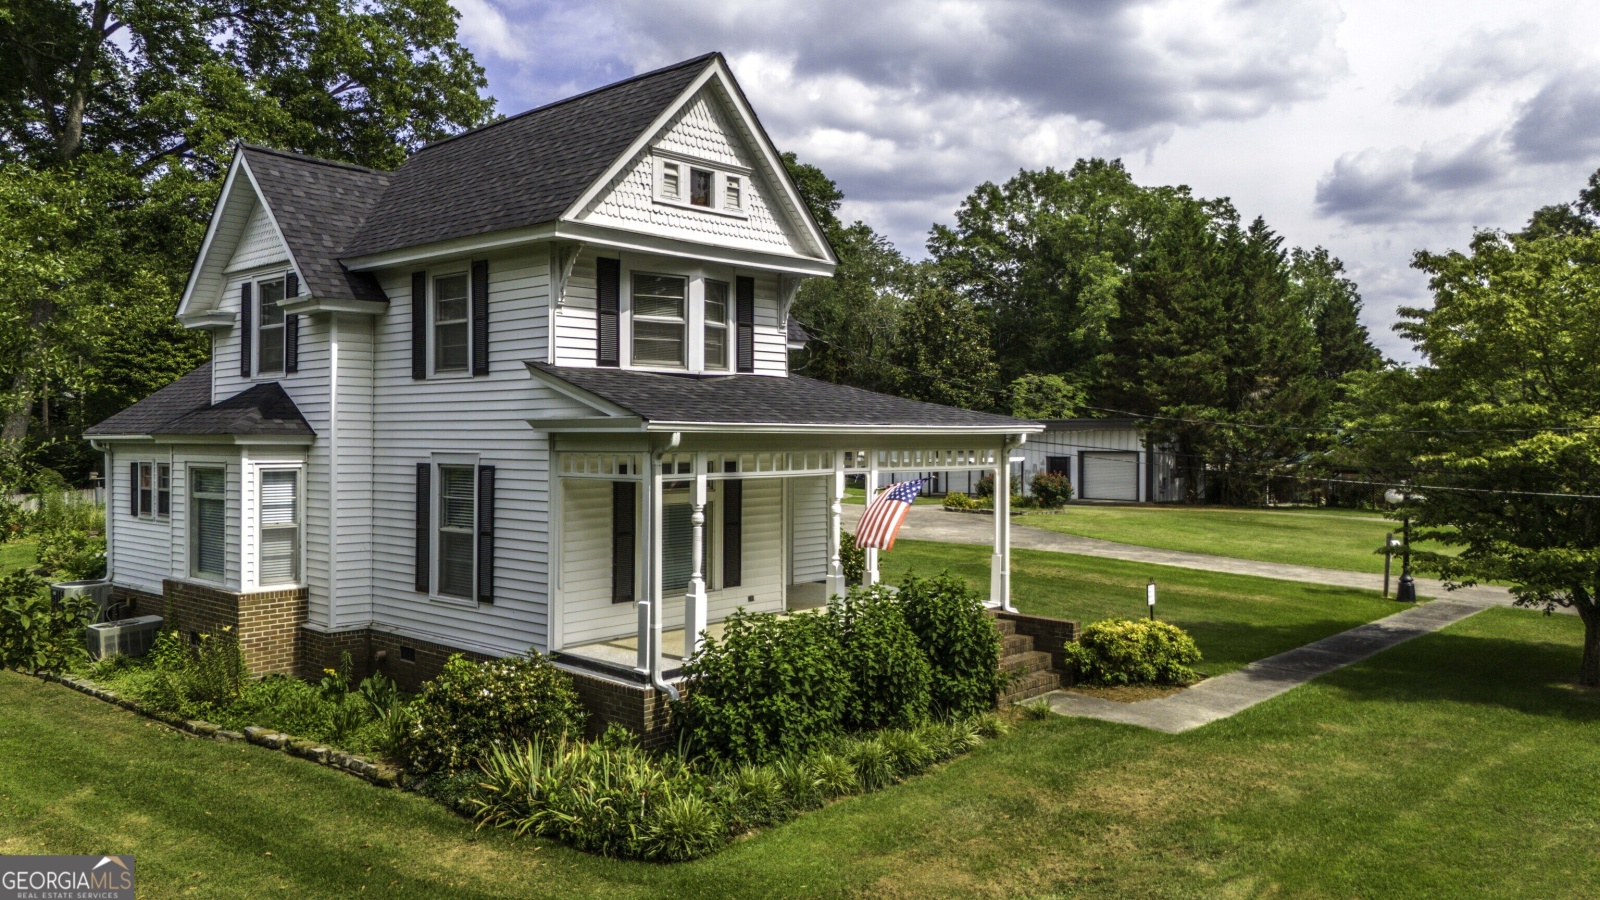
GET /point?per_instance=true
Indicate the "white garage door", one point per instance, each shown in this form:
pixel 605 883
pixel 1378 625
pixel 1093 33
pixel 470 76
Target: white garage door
pixel 1110 476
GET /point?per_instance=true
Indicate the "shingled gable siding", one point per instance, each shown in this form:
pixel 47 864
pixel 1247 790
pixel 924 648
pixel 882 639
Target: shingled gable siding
pixel 575 318
pixel 259 245
pixel 701 131
pixel 485 417
pixel 587 611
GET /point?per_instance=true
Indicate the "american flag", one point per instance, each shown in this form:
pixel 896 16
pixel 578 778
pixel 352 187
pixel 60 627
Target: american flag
pixel 886 513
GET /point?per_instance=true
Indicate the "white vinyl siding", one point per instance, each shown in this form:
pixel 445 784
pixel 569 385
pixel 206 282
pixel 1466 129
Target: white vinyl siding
pixel 808 529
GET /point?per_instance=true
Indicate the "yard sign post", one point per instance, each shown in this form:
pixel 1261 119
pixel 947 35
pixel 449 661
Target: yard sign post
pixel 1150 598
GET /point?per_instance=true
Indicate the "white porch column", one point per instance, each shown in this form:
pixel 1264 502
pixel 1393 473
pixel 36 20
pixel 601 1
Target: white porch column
pixel 1000 563
pixel 836 582
pixel 646 536
pixel 694 606
pixel 870 576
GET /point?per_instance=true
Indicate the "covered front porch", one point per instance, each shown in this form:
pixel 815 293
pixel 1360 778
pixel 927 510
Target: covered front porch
pixel 656 548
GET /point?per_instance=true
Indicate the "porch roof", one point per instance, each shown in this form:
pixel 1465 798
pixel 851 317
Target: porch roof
pixel 752 401
pixel 184 407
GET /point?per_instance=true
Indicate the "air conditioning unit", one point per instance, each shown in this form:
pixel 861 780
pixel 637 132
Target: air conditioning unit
pixel 100 589
pixel 127 637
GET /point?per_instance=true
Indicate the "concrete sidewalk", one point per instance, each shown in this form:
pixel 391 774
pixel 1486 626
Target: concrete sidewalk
pixel 931 523
pixel 1220 697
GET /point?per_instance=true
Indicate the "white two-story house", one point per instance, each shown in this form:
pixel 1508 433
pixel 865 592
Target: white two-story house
pixel 531 389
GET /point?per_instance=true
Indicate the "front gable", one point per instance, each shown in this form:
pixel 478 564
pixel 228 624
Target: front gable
pixel 711 129
pixel 241 235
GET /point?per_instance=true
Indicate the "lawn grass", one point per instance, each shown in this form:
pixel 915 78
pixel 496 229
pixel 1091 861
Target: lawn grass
pixel 1329 539
pixel 16 555
pixel 1235 619
pixel 858 496
pixel 1455 765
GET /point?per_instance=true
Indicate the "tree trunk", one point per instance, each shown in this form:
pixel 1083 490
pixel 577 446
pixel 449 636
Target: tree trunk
pixel 1589 669
pixel 20 418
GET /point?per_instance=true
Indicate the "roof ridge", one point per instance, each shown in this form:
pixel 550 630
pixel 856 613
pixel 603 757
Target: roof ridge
pixel 704 57
pixel 315 160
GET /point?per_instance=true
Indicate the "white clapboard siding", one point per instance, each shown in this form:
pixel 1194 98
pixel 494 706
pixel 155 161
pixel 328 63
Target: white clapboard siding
pixel 148 551
pixel 486 418
pixel 701 130
pixel 351 578
pixel 576 316
pixel 808 529
pixel 587 613
pixel 259 244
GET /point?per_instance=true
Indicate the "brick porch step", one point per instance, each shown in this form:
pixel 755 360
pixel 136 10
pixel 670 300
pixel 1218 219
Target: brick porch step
pixel 1025 663
pixel 1006 626
pixel 1033 684
pixel 1012 644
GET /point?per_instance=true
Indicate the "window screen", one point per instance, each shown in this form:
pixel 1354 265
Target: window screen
pixel 280 527
pixel 658 319
pixel 450 340
pixel 457 519
pixel 208 527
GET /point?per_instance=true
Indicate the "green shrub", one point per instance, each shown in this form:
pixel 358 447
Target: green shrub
pixel 908 752
pixel 873 764
pixel 801 788
pixel 985 486
pixel 852 559
pixel 1051 490
pixel 958 500
pixel 889 674
pixel 71 531
pixel 683 826
pixel 833 775
pixel 1134 651
pixel 766 688
pixel 753 796
pixel 38 634
pixel 474 707
pixel 960 641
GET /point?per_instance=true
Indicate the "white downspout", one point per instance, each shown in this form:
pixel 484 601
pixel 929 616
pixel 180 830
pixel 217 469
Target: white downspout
pixel 653 566
pixel 110 507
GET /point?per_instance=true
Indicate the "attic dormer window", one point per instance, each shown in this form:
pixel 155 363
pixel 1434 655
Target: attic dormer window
pixel 700 187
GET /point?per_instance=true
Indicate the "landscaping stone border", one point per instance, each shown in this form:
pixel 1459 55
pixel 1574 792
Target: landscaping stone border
pixel 378 773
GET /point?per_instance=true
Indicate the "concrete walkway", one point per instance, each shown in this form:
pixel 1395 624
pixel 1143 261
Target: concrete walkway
pixel 931 523
pixel 1220 697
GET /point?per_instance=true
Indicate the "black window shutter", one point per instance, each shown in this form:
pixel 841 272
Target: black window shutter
pixel 623 516
pixel 486 534
pixel 608 307
pixel 291 327
pixel 480 317
pixel 732 532
pixel 133 489
pixel 745 301
pixel 419 325
pixel 247 330
pixel 424 525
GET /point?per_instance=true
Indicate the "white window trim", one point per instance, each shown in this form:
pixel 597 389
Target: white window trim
pixel 720 173
pixel 192 514
pixel 436 508
pixel 300 525
pixel 730 349
pixel 692 285
pixel 256 323
pixel 433 323
pixel 694 314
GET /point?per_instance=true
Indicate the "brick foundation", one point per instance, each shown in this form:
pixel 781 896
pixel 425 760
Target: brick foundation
pixel 1049 635
pixel 268 622
pixel 638 707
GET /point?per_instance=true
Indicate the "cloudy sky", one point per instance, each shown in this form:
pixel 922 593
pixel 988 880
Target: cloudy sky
pixel 1372 128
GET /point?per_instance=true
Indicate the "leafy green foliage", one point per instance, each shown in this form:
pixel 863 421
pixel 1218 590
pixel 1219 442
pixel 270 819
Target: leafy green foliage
pixel 36 634
pixel 889 674
pixel 1050 489
pixel 768 686
pixel 472 708
pixel 1134 651
pixel 1046 397
pixel 960 641
pixel 852 559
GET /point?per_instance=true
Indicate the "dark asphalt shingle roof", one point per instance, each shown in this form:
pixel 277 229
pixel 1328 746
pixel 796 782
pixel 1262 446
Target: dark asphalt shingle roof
pixel 185 407
pixel 319 207
pixel 521 171
pixel 763 400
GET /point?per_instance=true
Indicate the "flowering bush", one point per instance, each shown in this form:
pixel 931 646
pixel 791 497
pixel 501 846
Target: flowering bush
pixel 473 708
pixel 1051 489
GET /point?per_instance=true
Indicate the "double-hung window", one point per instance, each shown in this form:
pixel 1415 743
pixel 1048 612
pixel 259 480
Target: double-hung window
pixel 153 490
pixel 659 329
pixel 451 334
pixel 458 514
pixel 280 527
pixel 716 324
pixel 269 328
pixel 208 522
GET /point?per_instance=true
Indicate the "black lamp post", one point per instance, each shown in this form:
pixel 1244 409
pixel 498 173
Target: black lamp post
pixel 1407 592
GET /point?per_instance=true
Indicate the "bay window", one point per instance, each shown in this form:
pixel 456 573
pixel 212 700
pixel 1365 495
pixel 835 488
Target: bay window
pixel 208 522
pixel 280 506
